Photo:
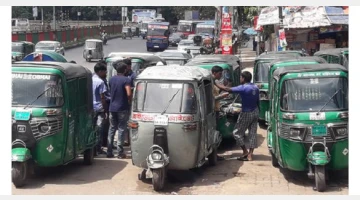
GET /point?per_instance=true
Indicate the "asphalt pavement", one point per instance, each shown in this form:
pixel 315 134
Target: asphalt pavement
pixel 114 45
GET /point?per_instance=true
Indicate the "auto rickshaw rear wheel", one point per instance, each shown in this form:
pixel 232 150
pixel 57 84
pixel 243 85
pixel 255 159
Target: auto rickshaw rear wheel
pixel 274 160
pixel 158 180
pixel 213 157
pixel 320 179
pixel 19 173
pixel 89 156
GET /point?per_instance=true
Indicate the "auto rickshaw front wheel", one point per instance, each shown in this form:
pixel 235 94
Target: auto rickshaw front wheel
pixel 274 160
pixel 158 180
pixel 19 173
pixel 320 178
pixel 89 156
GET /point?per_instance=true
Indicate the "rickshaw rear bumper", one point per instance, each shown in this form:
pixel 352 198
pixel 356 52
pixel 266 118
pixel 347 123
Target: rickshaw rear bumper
pixel 156 46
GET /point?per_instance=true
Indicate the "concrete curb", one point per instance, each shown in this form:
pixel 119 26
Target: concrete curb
pixel 78 44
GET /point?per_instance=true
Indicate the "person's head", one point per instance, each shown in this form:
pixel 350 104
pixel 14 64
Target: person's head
pixel 127 61
pixel 135 18
pixel 121 67
pixel 217 72
pixel 100 69
pixel 245 77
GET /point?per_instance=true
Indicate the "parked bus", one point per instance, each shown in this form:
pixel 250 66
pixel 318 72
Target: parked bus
pixel 158 35
pixel 188 27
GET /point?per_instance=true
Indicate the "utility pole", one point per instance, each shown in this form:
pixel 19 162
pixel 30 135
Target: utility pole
pixel 258 35
pixel 54 18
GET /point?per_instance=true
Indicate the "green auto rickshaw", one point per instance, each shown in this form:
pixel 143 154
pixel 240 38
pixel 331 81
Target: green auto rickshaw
pixel 135 31
pixel 260 78
pixel 21 49
pixel 126 32
pixel 338 55
pixel 282 62
pixel 52 116
pixel 308 129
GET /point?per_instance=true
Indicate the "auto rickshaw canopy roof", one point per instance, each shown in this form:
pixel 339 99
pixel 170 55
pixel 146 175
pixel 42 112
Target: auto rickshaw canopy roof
pixel 284 52
pixel 202 59
pixel 298 59
pixel 308 68
pixel 175 72
pixel 147 57
pixel 70 70
pixel 333 52
pixel 45 56
pixel 274 56
pixel 93 40
pixel 24 42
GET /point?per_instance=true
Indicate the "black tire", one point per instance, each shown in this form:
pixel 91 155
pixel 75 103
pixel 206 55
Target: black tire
pixel 89 156
pixel 213 157
pixel 19 173
pixel 274 160
pixel 158 180
pixel 320 179
pixel 142 175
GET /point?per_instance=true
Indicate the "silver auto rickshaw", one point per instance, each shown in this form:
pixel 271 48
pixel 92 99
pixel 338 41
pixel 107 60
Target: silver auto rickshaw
pixel 172 123
pixel 126 32
pixel 93 50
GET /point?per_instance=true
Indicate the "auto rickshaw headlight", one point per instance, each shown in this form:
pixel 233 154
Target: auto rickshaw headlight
pixel 44 128
pixel 156 156
pixel 342 131
pixel 296 133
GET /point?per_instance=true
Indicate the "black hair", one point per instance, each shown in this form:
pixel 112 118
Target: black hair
pixel 216 69
pixel 120 67
pixel 127 61
pixel 100 66
pixel 247 76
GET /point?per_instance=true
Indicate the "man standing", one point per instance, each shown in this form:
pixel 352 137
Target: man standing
pixel 217 74
pixel 99 101
pixel 248 118
pixel 130 74
pixel 120 92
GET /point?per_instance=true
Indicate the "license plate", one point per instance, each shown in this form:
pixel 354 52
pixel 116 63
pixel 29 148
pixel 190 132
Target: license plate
pixel 22 115
pixel 315 116
pixel 156 46
pixel 319 130
pixel 161 120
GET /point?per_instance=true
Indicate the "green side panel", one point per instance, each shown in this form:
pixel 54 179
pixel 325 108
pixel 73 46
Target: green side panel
pixel 264 106
pixel 318 158
pixel 293 155
pixel 226 127
pixel 35 37
pixel 22 37
pixel 20 154
pixel 339 155
pixel 72 125
pixel 49 150
pixel 59 36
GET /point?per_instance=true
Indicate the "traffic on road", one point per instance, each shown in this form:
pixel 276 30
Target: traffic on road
pixel 177 111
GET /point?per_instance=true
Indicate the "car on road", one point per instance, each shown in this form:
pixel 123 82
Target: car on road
pixel 183 44
pixel 175 38
pixel 50 46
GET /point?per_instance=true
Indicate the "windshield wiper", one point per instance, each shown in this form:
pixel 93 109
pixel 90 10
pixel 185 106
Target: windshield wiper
pixel 38 97
pixel 329 100
pixel 172 98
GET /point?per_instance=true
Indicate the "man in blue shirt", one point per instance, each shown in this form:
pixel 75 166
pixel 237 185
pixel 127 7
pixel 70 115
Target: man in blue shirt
pixel 100 104
pixel 130 74
pixel 249 115
pixel 120 99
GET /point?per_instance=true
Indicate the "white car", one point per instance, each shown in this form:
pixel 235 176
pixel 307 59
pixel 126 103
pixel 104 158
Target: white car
pixel 50 46
pixel 184 43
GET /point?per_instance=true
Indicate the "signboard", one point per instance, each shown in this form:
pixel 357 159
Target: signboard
pixel 226 22
pixel 307 17
pixel 139 15
pixel 35 11
pixel 157 27
pixel 330 29
pixel 226 41
pixel 282 38
pixel 268 16
pixel 324 46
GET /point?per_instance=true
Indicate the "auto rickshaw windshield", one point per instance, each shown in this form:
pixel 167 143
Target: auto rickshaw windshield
pixel 312 94
pixel 90 45
pixel 153 97
pixel 262 72
pixel 27 87
pixel 16 47
pixel 136 66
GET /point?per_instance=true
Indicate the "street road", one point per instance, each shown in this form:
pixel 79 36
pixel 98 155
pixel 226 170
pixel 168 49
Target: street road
pixel 232 177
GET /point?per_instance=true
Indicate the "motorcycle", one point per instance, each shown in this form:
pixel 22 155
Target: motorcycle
pixel 104 38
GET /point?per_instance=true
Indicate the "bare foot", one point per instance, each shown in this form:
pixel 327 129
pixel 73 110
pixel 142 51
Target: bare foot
pixel 249 157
